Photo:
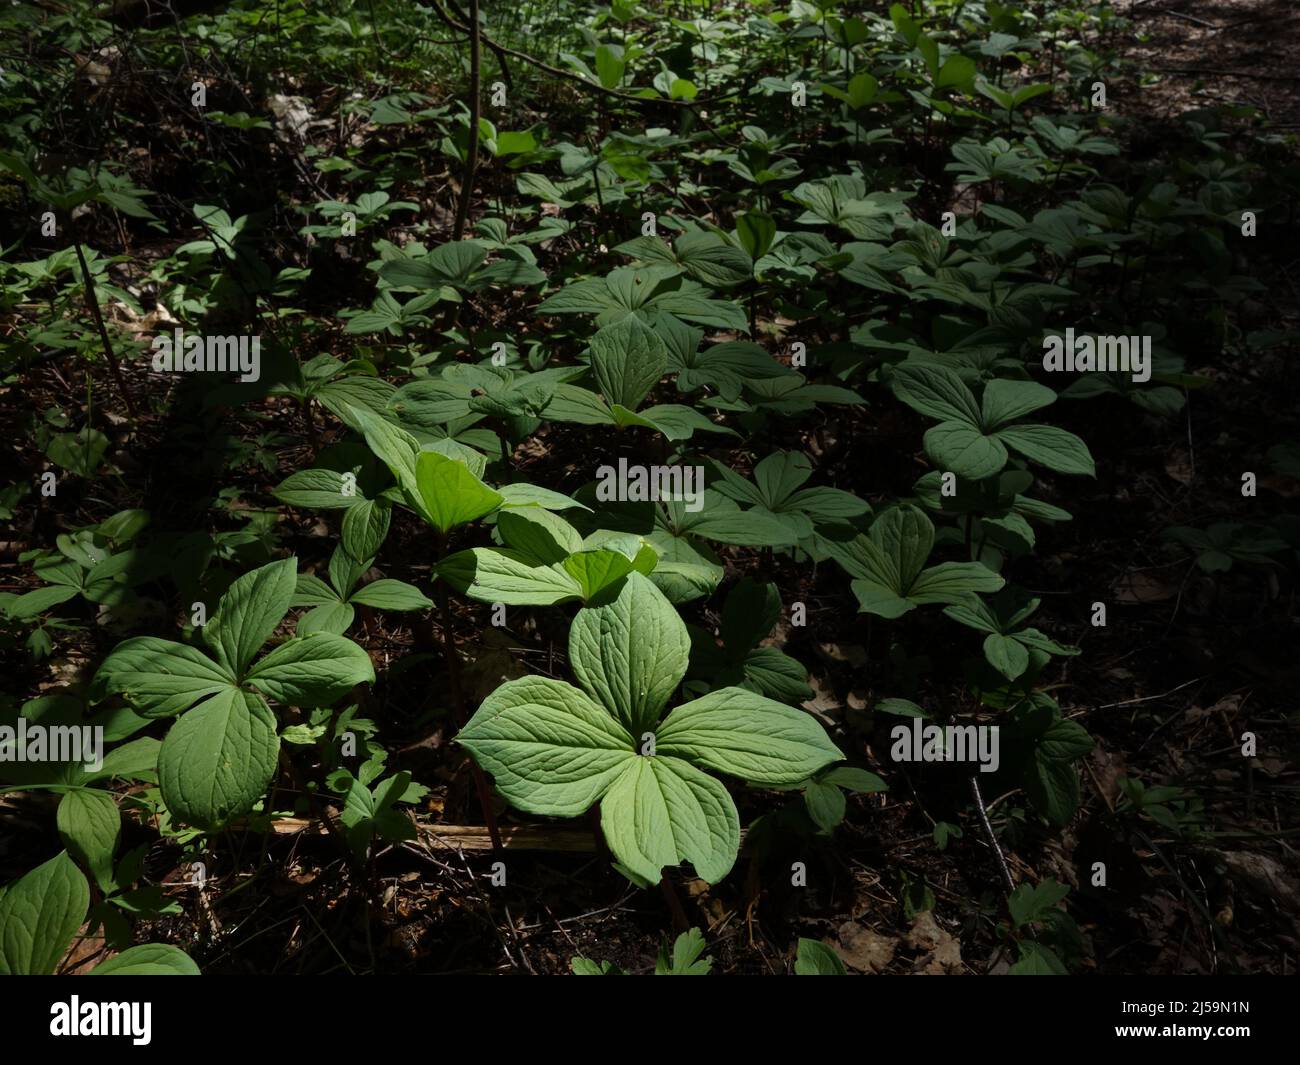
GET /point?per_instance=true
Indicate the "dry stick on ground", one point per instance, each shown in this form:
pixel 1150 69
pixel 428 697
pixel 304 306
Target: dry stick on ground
pixel 92 299
pixel 475 109
pixel 553 839
pixel 988 833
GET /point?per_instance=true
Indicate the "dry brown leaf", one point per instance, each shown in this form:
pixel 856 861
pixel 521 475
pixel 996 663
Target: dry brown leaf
pixel 1265 876
pixel 1109 767
pixel 942 952
pixel 1140 587
pixel 1179 466
pixel 853 654
pixel 823 705
pixel 863 949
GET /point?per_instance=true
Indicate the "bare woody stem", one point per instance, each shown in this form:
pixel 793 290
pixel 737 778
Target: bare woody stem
pixel 1007 882
pixel 475 109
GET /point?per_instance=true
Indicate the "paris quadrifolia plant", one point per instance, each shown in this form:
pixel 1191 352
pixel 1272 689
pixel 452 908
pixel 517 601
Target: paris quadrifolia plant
pixel 557 749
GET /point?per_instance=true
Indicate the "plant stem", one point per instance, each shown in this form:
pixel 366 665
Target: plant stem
pixel 680 921
pixel 93 301
pixel 475 107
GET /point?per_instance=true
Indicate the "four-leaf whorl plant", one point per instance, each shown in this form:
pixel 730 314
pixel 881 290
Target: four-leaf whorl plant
pixel 221 754
pixel 556 749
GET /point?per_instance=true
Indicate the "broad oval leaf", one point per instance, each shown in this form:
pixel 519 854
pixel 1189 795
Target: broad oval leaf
pixel 964 450
pixel 39 914
pixel 937 392
pixel 451 494
pixel 250 611
pixel 387 594
pixel 1052 447
pixel 333 618
pixel 218 759
pixel 548 747
pixel 1004 401
pixel 365 526
pixel 950 582
pixel 815 958
pixel 631 653
pixel 89 824
pixel 663 811
pixel 627 358
pixel 502 575
pixel 1006 655
pixel 160 678
pixel 312 670
pixel 316 488
pixel 741 733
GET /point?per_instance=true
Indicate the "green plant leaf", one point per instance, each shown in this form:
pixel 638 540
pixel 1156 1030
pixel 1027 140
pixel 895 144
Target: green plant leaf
pixel 630 653
pixel 955 447
pixel 334 618
pixel 313 670
pixel 609 66
pixel 388 594
pixel 936 392
pixel 160 678
pixel 814 958
pixel 628 358
pixel 136 760
pixel 1032 902
pixel 249 612
pixel 825 803
pixel 1052 447
pixel 219 758
pixel 663 811
pixel 740 733
pixel 756 231
pixel 396 448
pixel 1005 401
pixel 1037 959
pixel 539 535
pixel 148 959
pixel 1053 788
pixel 595 571
pixel 548 747
pixel 686 958
pixel 1007 656
pixel 502 575
pixel 957 72
pixel 39 914
pixel 949 582
pixel 365 526
pixel 89 824
pixel 316 489
pixel 451 494
pixel 855 779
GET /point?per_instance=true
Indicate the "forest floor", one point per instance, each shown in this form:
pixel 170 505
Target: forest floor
pixel 1185 665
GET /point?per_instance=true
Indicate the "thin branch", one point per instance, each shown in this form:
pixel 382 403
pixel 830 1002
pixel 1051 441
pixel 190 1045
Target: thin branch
pixel 475 110
pixel 501 49
pixel 988 834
